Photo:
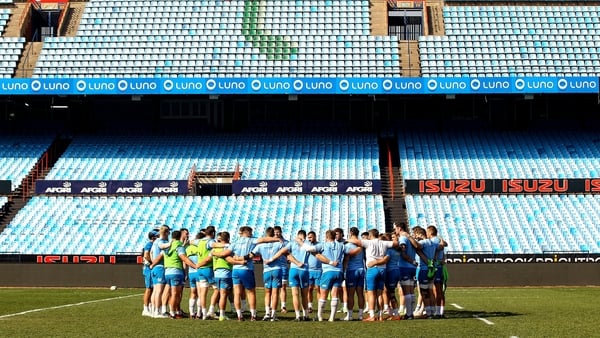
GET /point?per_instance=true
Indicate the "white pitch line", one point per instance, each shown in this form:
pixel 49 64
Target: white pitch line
pixel 66 305
pixel 457 306
pixel 483 320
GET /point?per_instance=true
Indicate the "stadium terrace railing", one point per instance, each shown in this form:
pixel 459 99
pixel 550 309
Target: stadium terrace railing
pixel 390 169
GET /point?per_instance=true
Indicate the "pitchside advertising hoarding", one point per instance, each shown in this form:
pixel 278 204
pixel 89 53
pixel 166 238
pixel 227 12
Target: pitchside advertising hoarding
pixel 451 258
pixel 300 86
pixel 111 187
pixel 503 186
pixel 295 187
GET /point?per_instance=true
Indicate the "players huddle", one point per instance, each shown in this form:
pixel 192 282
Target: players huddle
pixel 368 268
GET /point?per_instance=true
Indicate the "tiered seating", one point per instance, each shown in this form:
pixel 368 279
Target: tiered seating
pixel 512 223
pixel 514 41
pixel 551 154
pixel 181 38
pixel 505 223
pixel 260 156
pixel 110 225
pixel 19 154
pixel 10 48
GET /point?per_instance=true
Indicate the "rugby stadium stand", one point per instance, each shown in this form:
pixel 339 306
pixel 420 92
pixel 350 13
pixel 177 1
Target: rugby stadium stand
pixel 113 225
pixel 489 154
pixel 19 154
pixel 274 155
pixel 180 38
pixel 508 41
pixel 258 40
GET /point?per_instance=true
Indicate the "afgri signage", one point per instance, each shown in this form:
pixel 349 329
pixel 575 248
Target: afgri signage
pixel 503 186
pixel 298 187
pixel 300 86
pixel 111 187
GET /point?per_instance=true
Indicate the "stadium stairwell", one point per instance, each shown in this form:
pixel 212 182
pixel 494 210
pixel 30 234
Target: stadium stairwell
pixel 379 17
pixel 435 18
pixel 409 58
pixel 392 188
pixel 72 18
pixel 22 195
pixel 28 59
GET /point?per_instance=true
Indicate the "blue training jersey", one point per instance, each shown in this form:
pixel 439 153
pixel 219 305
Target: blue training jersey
pixel 300 254
pixel 409 250
pixel 334 251
pixel 156 250
pixel 357 261
pixel 241 247
pixel 266 251
pixel 313 263
pixel 395 257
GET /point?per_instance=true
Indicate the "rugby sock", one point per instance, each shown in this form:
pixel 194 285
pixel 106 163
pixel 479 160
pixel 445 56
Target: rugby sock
pixel 267 311
pixel 211 309
pixel 297 313
pixel 222 313
pixel 239 313
pixel 408 301
pixel 244 305
pixel 349 315
pixel 402 308
pixel 253 312
pixel 303 313
pixel 334 305
pixel 437 310
pixel 371 313
pixel 282 305
pixel 320 308
pixel 192 303
pixel 441 310
pixel 163 309
pixel 345 307
pixel 360 313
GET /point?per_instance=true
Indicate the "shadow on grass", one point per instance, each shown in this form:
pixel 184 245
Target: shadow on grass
pixel 483 314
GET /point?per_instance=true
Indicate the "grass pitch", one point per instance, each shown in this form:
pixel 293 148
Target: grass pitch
pixel 471 312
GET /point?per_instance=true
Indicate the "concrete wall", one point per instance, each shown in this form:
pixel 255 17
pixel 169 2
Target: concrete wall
pixel 125 275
